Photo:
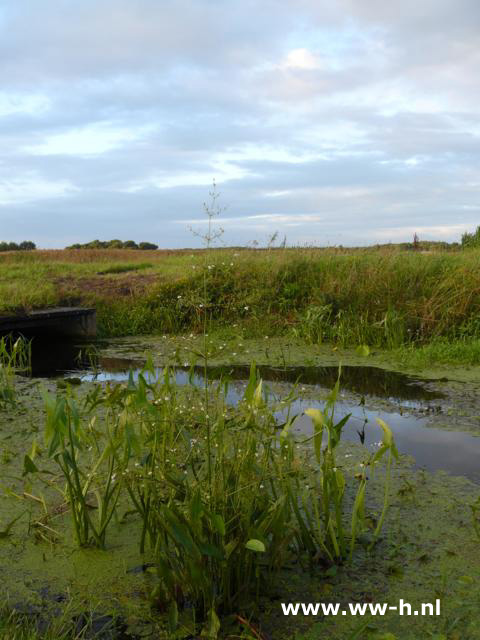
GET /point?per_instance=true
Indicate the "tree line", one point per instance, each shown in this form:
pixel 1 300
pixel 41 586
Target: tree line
pixel 26 245
pixel 114 244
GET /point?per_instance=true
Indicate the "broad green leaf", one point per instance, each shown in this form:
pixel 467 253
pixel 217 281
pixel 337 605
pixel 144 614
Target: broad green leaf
pixel 257 396
pixel 179 532
pixel 252 381
pixel 29 466
pixel 255 545
pixel 318 423
pixel 218 523
pixel 388 440
pixel 337 429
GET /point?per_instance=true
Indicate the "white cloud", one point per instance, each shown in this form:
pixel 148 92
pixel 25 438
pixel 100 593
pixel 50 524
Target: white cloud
pixel 32 188
pixel 17 103
pixel 300 59
pixel 93 139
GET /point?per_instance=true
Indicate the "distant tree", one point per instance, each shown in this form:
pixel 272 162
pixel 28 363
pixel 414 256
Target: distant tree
pixel 12 246
pixel 27 245
pixel 148 246
pixel 416 242
pixel 96 244
pixel 115 244
pixel 3 246
pixel 110 244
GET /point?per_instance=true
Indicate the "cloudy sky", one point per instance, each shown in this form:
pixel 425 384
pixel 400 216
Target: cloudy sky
pixel 330 121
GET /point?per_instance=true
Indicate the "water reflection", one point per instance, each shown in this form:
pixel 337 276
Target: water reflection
pixel 432 448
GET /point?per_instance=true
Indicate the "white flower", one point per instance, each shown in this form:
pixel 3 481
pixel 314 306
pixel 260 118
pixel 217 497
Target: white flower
pixel 246 308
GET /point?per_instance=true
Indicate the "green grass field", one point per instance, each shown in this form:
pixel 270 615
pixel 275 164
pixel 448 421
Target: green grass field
pixel 384 298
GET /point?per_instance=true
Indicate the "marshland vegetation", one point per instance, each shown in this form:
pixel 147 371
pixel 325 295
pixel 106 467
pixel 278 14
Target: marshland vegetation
pixel 226 503
pixel 422 306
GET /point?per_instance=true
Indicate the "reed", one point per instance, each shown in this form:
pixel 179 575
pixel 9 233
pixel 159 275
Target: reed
pixel 15 357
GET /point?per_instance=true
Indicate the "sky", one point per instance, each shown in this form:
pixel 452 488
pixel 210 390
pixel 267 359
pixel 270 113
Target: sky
pixel 330 122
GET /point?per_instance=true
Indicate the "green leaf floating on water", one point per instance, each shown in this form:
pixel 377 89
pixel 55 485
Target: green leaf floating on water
pixel 255 545
pixel 363 350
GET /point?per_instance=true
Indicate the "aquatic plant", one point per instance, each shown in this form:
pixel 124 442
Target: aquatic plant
pixel 15 357
pixel 222 510
pixel 67 438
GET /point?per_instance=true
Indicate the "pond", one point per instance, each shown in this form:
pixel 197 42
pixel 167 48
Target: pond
pixel 434 422
pixel 408 404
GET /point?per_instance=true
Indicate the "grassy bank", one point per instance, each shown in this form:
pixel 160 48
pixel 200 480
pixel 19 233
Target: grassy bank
pixel 383 298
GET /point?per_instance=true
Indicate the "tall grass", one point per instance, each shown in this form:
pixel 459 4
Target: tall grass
pixel 384 301
pixel 15 357
pixel 380 298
